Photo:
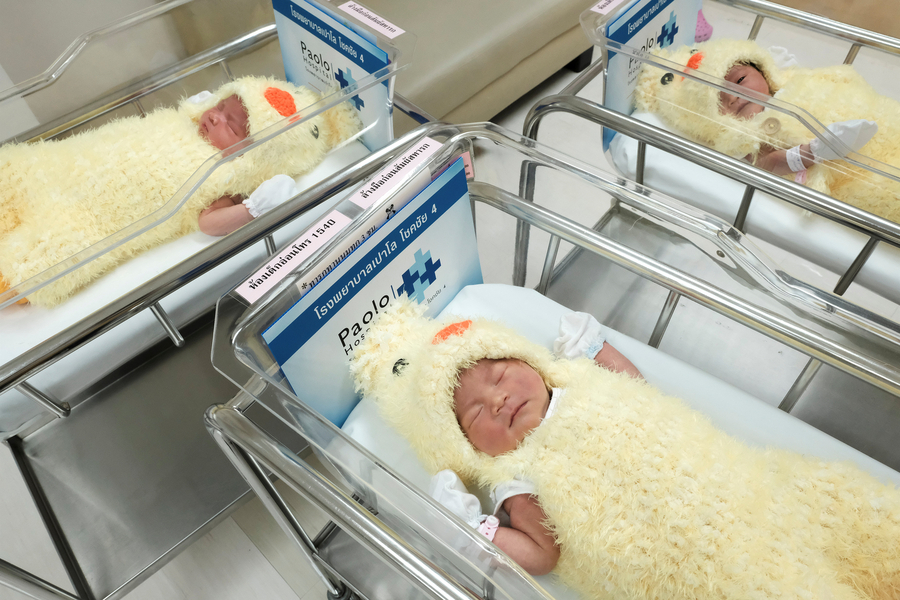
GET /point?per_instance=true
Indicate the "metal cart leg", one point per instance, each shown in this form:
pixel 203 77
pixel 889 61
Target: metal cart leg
pixel 241 440
pixel 15 578
pixel 662 323
pixel 812 367
pixel 523 229
pixel 28 581
pixel 271 499
pixel 170 328
pixel 60 409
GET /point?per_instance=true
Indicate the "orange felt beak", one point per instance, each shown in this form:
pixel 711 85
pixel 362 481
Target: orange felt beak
pixel 694 61
pixel 452 329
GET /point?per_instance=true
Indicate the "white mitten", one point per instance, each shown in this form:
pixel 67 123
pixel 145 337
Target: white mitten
pixel 200 97
pixel 854 134
pixel 447 488
pixel 270 194
pixel 579 335
pixel 783 59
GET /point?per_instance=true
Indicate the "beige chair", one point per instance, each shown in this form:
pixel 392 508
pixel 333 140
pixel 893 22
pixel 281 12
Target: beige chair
pixel 474 58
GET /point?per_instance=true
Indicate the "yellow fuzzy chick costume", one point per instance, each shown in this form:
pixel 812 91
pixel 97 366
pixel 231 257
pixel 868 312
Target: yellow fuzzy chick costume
pixel 57 198
pixel 830 94
pixel 645 497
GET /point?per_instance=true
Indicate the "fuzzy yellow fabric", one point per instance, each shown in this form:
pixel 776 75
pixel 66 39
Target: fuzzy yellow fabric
pixel 829 94
pixel 645 497
pixel 58 198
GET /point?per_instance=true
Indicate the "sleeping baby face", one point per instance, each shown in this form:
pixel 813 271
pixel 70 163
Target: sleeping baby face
pixel 499 402
pixel 745 76
pixel 225 124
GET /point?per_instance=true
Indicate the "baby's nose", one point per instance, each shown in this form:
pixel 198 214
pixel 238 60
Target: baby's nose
pixel 499 401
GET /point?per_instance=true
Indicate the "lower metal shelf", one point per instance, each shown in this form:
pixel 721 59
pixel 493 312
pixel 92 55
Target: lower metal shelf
pixel 132 476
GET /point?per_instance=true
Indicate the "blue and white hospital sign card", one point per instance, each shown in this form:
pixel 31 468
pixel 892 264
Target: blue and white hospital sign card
pixel 644 25
pixel 323 51
pixel 426 251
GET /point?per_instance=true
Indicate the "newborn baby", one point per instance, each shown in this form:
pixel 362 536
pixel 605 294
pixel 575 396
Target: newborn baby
pixel 628 492
pixel 838 97
pixel 57 198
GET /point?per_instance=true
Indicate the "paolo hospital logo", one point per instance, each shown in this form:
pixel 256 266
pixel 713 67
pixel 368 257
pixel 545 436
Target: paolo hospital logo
pixel 416 282
pixel 418 278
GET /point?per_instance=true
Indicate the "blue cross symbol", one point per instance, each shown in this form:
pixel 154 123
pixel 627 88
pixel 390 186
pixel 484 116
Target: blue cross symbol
pixel 667 34
pixel 410 280
pixel 346 79
pixel 421 275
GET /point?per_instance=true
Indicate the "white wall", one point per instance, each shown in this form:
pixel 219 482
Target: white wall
pixel 34 33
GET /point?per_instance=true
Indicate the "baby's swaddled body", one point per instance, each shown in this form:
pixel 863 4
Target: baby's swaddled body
pixel 58 198
pixel 648 500
pixel 645 498
pixel 830 95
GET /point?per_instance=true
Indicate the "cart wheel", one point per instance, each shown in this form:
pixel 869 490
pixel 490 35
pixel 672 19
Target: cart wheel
pixel 345 594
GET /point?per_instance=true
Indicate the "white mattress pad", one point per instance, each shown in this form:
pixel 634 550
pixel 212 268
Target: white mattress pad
pixel 23 327
pixel 537 318
pixel 814 238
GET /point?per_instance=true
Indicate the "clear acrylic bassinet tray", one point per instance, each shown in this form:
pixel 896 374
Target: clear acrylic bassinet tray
pixel 618 94
pixel 580 194
pixel 132 68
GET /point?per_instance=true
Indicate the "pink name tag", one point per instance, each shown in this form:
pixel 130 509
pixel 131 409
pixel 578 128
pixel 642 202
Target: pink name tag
pixel 387 180
pixel 604 7
pixel 303 247
pixel 365 15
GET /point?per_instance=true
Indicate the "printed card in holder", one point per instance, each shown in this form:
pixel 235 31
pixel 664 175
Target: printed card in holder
pixel 644 25
pixel 427 251
pixel 400 174
pixel 324 50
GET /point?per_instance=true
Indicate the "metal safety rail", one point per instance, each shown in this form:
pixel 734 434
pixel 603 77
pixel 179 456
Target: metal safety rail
pixel 253 451
pixel 16 373
pixel 875 228
pixel 858 36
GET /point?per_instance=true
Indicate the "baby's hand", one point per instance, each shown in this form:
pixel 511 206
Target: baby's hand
pixel 579 335
pixel 270 194
pixel 852 134
pixel 447 488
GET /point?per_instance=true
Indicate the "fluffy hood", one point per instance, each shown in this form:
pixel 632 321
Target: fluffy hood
pixel 410 365
pixel 268 101
pixel 693 108
pixel 62 196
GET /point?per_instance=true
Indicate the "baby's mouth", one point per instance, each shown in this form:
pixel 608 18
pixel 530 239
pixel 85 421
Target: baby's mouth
pixel 512 417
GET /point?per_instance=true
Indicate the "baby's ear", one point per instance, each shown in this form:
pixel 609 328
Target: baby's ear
pixel 341 122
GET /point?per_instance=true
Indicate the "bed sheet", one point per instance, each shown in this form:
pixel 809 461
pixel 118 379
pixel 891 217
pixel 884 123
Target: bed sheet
pixel 780 223
pixel 23 327
pixel 537 317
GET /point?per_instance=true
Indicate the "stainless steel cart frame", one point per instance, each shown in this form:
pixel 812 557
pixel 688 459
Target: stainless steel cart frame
pixel 133 95
pixel 567 101
pixel 255 453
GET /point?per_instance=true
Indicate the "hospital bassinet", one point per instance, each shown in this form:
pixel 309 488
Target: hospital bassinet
pixel 148 60
pixel 369 482
pixel 809 230
pixel 75 379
